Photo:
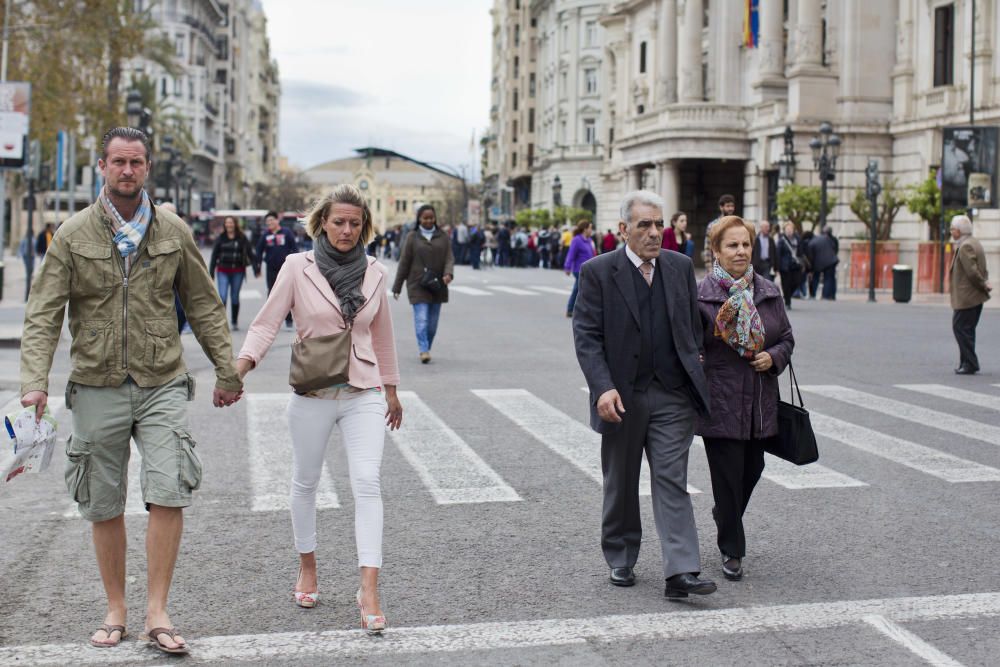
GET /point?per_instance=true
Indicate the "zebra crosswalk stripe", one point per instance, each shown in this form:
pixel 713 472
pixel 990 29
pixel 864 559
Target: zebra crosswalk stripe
pixel 955 394
pixel 558 431
pixel 791 476
pixel 513 290
pixel 472 291
pixel 270 446
pixel 552 290
pixel 919 415
pixel 450 469
pixel 910 454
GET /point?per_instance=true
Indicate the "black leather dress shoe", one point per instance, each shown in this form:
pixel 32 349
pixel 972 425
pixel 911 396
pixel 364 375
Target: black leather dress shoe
pixel 966 370
pixel 622 576
pixel 680 585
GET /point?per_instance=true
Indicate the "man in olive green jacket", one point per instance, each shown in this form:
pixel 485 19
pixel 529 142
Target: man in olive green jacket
pixel 970 289
pixel 116 264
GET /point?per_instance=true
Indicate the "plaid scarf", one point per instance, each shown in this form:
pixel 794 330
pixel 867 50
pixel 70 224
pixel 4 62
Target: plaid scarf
pixel 738 323
pixel 129 233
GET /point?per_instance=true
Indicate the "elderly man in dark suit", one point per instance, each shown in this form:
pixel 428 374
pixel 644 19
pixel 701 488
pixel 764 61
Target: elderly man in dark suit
pixel 638 341
pixel 765 252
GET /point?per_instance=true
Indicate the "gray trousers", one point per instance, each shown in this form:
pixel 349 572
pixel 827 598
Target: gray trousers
pixel 659 422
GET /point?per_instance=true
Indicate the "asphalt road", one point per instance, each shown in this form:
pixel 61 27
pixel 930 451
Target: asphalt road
pixel 880 555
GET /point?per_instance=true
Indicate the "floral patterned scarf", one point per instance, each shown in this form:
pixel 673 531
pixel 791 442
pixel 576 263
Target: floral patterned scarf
pixel 738 323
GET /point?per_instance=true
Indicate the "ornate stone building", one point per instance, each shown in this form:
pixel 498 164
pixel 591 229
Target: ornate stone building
pixel 568 103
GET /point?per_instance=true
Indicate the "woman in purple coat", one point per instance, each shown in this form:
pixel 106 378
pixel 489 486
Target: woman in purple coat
pixel 748 343
pixel 581 248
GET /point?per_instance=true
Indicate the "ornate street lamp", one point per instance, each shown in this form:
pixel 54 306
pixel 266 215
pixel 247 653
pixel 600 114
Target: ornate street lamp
pixel 825 149
pixel 556 191
pixel 786 166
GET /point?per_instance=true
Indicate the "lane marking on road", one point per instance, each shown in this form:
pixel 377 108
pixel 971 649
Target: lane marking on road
pixel 251 295
pixel 270 445
pixel 501 635
pixel 914 413
pixel 564 435
pixel 791 476
pixel 472 291
pixel 955 394
pixel 910 454
pixel 448 466
pixel 911 642
pixel 513 290
pixel 552 290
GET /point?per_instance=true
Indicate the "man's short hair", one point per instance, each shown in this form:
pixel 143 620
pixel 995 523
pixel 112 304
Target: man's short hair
pixel 128 134
pixel 642 197
pixel 271 214
pixel 727 199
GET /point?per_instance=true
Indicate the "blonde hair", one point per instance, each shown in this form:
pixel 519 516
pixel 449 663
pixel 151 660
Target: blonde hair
pixel 728 222
pixel 345 193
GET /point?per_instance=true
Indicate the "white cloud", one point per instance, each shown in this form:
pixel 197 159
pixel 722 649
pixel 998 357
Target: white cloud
pixel 413 77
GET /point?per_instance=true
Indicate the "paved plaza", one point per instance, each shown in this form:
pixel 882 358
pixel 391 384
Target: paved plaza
pixel 879 554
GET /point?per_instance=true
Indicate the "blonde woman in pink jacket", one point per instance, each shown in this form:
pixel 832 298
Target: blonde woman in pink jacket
pixel 326 289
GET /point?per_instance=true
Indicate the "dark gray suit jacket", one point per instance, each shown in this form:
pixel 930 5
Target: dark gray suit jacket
pixel 606 327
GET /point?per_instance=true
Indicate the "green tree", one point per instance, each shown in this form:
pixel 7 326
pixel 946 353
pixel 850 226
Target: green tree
pixel 924 201
pixel 799 204
pixel 290 191
pixel 889 203
pixel 570 215
pixel 533 218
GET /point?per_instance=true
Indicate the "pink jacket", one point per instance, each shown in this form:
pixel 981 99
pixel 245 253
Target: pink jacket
pixel 301 288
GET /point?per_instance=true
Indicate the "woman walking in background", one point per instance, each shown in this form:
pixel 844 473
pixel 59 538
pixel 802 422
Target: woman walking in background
pixel 330 289
pixel 677 238
pixel 748 343
pixel 231 255
pixel 581 248
pixel 427 265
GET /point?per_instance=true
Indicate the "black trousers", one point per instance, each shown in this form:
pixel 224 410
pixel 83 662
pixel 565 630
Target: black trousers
pixel 790 281
pixel 735 467
pixel 963 323
pixel 271 277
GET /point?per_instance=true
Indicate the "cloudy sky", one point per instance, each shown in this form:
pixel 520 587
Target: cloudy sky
pixel 409 76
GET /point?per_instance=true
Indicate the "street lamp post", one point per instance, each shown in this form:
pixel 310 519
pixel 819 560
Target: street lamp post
pixel 786 167
pixel 873 188
pixel 825 149
pixel 556 192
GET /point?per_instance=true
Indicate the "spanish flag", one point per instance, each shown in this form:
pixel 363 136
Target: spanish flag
pixel 751 23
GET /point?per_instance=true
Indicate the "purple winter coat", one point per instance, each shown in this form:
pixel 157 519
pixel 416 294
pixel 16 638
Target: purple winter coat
pixel 733 385
pixel 580 250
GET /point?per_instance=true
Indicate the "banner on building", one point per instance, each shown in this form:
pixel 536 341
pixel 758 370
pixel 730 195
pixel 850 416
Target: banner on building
pixel 969 167
pixel 751 23
pixel 475 211
pixel 15 107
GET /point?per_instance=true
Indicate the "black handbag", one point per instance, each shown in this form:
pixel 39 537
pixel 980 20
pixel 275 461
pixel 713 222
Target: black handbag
pixel 429 280
pixel 795 442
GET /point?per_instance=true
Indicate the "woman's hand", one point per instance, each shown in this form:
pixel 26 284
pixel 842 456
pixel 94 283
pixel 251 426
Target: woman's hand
pixel 762 362
pixel 393 410
pixel 243 366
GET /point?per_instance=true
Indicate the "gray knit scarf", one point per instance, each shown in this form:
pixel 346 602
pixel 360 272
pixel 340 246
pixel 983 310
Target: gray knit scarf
pixel 345 272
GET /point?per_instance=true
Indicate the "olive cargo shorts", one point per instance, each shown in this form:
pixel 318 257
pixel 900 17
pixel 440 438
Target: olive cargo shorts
pixel 104 421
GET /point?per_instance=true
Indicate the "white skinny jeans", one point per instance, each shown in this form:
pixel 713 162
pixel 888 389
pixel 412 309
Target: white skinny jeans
pixel 361 419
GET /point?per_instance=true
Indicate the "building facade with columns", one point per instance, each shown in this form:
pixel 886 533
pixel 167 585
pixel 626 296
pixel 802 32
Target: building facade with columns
pixel 568 110
pixel 695 113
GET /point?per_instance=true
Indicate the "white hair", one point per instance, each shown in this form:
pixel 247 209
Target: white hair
pixel 642 197
pixel 963 224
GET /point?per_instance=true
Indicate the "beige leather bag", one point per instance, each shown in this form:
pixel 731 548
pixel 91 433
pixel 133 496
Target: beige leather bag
pixel 321 362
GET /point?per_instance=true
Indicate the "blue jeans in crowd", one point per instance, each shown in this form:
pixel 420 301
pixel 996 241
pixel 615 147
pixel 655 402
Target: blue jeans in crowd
pixel 572 295
pixel 425 321
pixel 229 284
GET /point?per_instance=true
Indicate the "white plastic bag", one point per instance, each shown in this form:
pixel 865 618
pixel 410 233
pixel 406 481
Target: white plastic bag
pixel 26 445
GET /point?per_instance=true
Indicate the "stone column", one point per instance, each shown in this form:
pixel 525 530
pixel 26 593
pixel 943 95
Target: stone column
pixel 668 179
pixel 666 53
pixel 633 177
pixel 689 51
pixel 809 34
pixel 770 44
pixel 902 73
